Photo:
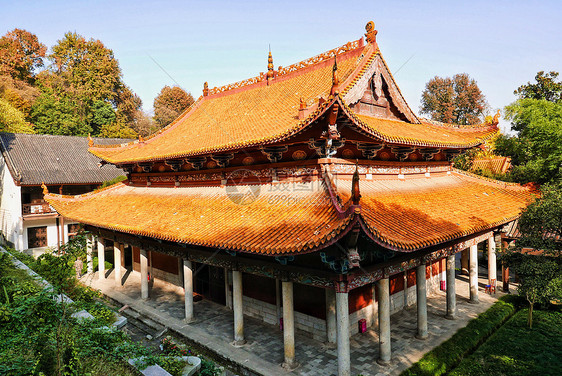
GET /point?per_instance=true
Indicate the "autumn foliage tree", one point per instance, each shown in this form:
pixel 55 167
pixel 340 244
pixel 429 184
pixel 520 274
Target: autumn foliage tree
pixel 170 103
pixel 83 91
pixel 455 100
pixel 21 54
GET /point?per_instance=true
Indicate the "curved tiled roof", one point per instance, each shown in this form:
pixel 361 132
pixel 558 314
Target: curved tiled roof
pixel 402 214
pixel 418 212
pixel 256 112
pixel 401 132
pixel 242 117
pixel 253 219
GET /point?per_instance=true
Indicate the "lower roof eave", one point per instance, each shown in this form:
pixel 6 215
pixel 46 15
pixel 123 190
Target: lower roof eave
pixel 439 244
pixel 326 242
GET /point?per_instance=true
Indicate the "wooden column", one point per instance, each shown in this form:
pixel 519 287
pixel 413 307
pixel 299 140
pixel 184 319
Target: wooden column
pixel 451 293
pixel 238 308
pixel 331 331
pixel 101 259
pixel 473 275
pixel 117 262
pixel 384 322
pixel 342 325
pixel 505 269
pixel 188 289
pixel 89 259
pixel 144 273
pixel 288 325
pixel 421 302
pixel 492 267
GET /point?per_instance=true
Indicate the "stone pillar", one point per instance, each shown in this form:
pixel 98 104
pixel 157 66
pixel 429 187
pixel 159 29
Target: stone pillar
pixel 278 301
pixel 101 259
pixel 464 261
pixel 451 293
pixel 505 269
pixel 238 310
pixel 117 262
pixel 342 325
pixel 331 331
pixel 384 322
pixel 421 302
pixel 473 277
pixel 227 291
pixel 144 273
pixel 89 260
pixel 188 289
pixel 492 267
pixel 288 325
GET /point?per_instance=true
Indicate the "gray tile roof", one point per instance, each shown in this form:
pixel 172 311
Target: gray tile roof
pixel 34 158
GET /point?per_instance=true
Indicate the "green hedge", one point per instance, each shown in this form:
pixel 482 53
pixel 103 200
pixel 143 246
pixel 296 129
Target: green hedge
pixel 444 357
pixel 514 349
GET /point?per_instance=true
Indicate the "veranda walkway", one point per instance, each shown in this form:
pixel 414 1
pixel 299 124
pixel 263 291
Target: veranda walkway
pixel 263 354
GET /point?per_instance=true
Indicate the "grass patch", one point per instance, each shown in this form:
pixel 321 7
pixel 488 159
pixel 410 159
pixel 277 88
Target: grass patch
pixel 517 350
pixel 446 356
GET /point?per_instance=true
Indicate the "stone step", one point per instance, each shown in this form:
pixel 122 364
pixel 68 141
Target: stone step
pixel 129 312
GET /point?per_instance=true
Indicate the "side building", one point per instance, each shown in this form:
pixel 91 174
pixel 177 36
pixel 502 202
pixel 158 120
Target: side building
pixel 64 164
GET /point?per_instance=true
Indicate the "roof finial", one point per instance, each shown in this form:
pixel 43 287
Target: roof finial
pixel 355 195
pixel 270 72
pixel 45 189
pixel 205 89
pixel 496 119
pixel 90 141
pixel 140 138
pixel 335 80
pixel 371 34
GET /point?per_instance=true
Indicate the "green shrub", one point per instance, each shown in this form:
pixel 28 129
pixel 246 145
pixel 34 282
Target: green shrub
pixel 444 357
pixel 514 349
pixel 208 368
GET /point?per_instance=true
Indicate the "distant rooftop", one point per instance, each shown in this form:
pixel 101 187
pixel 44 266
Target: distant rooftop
pixel 33 159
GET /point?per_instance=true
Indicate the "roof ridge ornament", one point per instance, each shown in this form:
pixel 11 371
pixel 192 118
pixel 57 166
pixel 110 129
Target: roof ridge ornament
pixel 90 141
pixel 335 80
pixel 45 189
pixel 355 194
pixel 496 119
pixel 371 34
pixel 270 71
pixel 205 89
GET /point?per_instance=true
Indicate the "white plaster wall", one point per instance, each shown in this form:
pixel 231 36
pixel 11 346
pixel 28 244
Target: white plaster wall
pixel 51 231
pixel 267 312
pixel 11 223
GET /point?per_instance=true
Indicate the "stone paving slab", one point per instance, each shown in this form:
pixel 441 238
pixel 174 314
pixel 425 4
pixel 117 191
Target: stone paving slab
pixel 263 354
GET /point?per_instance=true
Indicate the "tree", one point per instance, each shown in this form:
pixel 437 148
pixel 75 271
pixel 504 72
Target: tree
pixel 21 54
pixel 535 275
pixel 52 115
pixel 536 151
pixel 536 257
pixel 454 100
pixel 84 85
pixel 12 120
pixel 546 88
pixel 143 124
pixel 19 94
pixel 541 222
pixel 170 103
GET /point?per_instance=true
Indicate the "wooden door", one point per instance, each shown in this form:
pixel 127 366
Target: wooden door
pixel 37 237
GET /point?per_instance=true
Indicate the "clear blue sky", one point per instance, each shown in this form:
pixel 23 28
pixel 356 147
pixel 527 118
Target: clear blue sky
pixel 502 44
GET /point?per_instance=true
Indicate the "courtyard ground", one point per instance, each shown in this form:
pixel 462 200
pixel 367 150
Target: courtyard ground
pixel 263 355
